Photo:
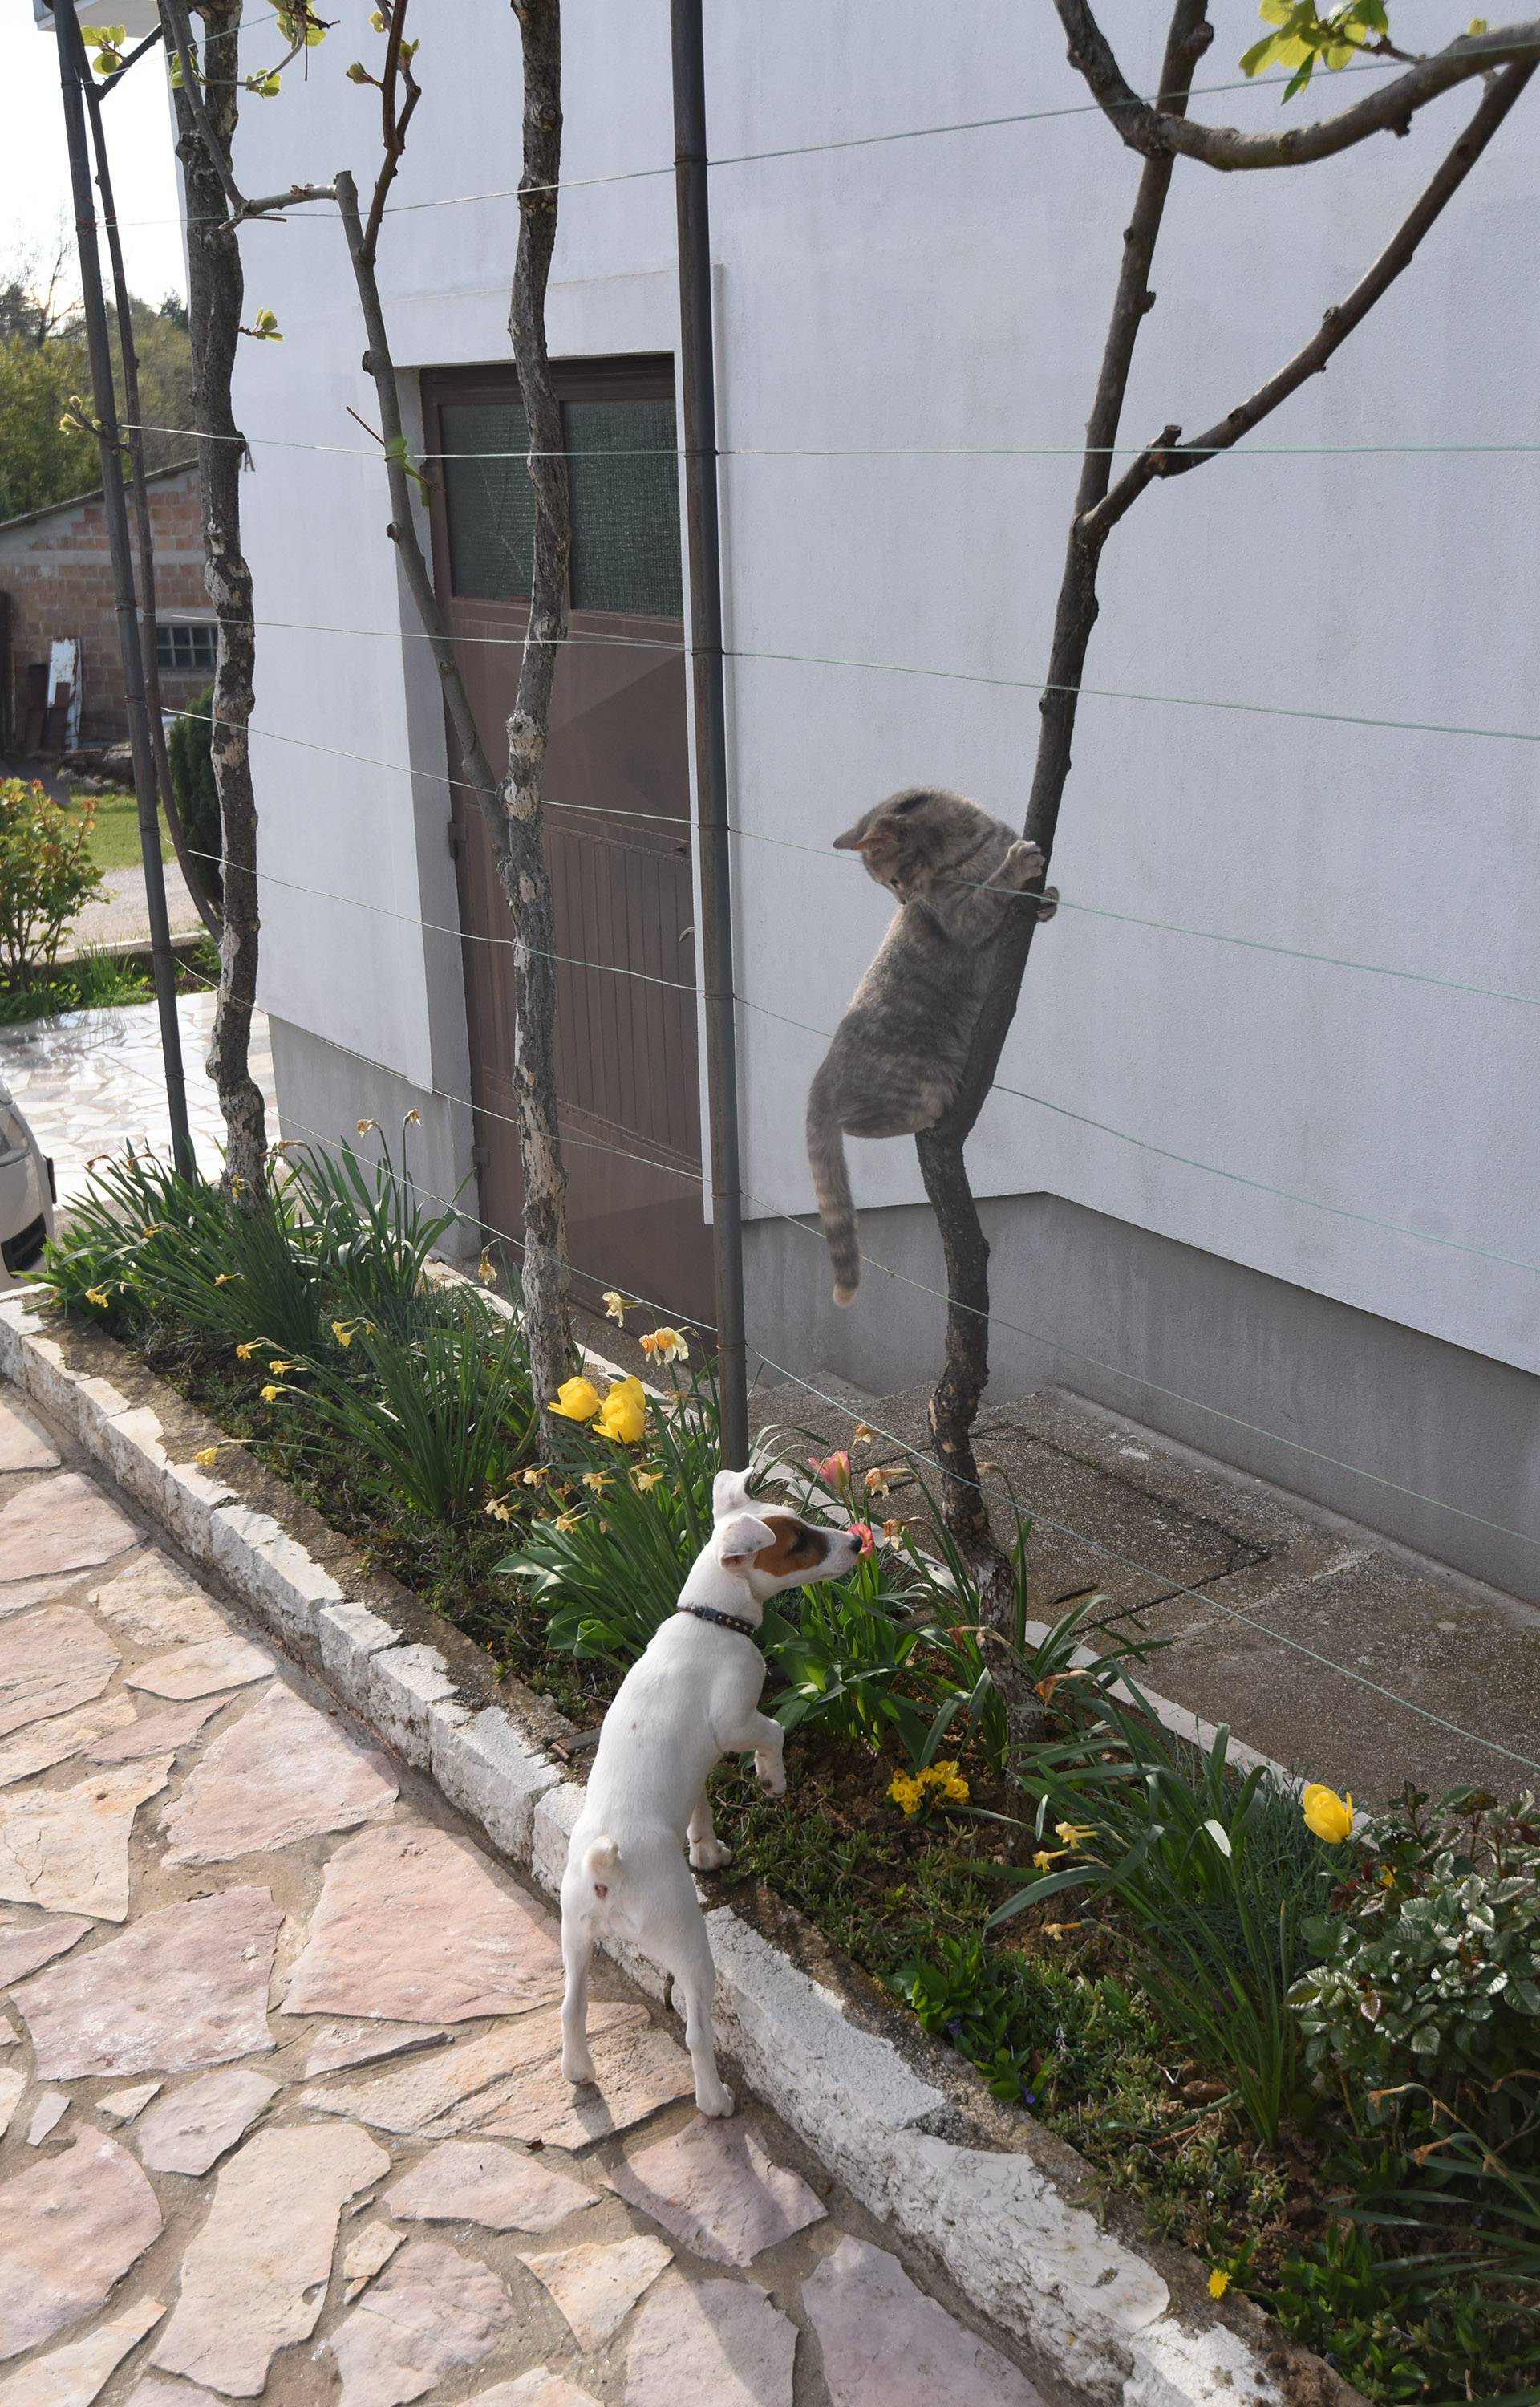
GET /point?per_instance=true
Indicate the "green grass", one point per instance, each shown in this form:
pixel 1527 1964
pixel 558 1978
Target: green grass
pixel 115 838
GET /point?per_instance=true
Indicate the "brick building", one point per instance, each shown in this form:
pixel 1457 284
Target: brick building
pixel 56 573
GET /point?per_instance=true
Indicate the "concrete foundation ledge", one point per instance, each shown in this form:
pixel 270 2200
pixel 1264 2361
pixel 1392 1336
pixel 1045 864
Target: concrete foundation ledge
pixel 1016 2219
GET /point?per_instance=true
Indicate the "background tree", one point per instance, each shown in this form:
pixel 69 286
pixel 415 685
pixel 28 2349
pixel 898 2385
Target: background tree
pixel 1303 38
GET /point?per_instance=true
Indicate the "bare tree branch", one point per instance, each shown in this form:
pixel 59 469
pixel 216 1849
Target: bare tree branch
pixel 393 126
pixel 174 16
pixel 1169 457
pixel 1168 132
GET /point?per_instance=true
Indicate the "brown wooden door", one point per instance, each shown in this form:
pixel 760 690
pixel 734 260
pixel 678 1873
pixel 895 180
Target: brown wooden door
pixel 617 825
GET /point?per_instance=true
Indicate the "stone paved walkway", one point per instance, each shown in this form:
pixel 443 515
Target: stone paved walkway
pixel 281 2107
pixel 91 1082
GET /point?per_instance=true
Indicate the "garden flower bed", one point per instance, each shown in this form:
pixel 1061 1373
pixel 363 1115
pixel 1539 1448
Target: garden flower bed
pixel 1305 2047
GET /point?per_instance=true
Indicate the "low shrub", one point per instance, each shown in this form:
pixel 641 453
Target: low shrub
pixel 47 876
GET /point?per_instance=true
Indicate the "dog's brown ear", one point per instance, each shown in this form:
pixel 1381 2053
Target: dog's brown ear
pixel 740 1539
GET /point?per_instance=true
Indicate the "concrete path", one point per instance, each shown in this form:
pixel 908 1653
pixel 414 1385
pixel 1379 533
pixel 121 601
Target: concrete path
pixel 121 914
pixel 1255 1594
pixel 92 1082
pixel 278 2062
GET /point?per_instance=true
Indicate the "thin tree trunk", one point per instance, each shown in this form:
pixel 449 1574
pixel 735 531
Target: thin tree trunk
pixel 954 1405
pixel 216 294
pixel 193 873
pixel 522 861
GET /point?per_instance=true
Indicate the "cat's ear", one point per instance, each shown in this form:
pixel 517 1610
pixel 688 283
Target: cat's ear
pixel 856 838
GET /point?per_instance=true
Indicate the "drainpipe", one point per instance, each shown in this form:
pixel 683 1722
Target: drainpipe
pixel 711 734
pixel 114 509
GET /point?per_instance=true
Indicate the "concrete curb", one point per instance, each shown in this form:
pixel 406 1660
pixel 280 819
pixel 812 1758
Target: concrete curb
pixel 1004 2219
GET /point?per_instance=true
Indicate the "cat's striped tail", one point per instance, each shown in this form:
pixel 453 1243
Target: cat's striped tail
pixel 832 1185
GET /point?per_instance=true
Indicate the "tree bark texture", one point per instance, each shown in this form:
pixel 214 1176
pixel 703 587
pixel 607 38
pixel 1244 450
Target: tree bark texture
pixel 216 291
pixel 521 860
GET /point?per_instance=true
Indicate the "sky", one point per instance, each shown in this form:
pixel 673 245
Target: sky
pixel 35 193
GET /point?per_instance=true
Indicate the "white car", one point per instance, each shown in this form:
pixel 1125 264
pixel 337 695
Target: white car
pixel 26 1192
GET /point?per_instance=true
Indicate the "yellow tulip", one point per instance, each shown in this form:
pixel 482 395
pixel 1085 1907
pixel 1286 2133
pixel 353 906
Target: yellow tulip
pixel 576 1400
pixel 1329 1815
pixel 623 1415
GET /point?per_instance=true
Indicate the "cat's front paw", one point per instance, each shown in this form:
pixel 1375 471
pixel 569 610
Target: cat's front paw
pixel 1023 863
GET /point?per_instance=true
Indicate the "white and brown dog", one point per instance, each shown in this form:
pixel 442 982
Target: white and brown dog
pixel 693 1698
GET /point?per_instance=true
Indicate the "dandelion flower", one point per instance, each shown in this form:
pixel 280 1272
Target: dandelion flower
pixel 1329 1815
pixel 576 1400
pixel 1219 2283
pixel 205 1457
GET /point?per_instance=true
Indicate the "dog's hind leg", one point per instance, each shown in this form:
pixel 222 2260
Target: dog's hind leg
pixel 685 1948
pixel 708 1852
pixel 577 1949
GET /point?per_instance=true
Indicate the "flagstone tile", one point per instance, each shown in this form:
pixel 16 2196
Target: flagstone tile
pixel 63 1524
pixel 416 1924
pixel 228 1663
pixel 482 2181
pixel 50 1661
pixel 46 1743
pixel 12 2084
pixel 887 2345
pixel 596 2285
pixel 156 1734
pixel 335 2046
pixel 154 1604
pixel 254 2277
pixel 47 2116
pixel 539 2388
pixel 282 1773
pixel 429 2312
pixel 721 2340
pixel 27 1942
pixel 155 2391
pixel 67 1848
pixel 713 2185
pixel 124 2104
pixel 363 2257
pixel 70 2226
pixel 71 2376
pixel 187 2130
pixel 508 2084
pixel 182 1987
pixel 24 1444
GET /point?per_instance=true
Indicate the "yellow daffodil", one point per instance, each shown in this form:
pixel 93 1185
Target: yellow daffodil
pixel 97 1295
pixel 1047 1857
pixel 278 1369
pixel 244 1352
pixel 487 1271
pixel 879 1480
pixel 1218 2284
pixel 154 1229
pixel 497 1507
pixel 597 1480
pixel 576 1400
pixel 623 1415
pixel 615 1305
pixel 365 1128
pixel 532 1478
pixel 1074 1834
pixel 861 1435
pixel 665 1345
pixel 271 1394
pixel 342 1331
pixel 413 1120
pixel 205 1457
pixel 646 1480
pixel 1061 1930
pixel 222 1278
pixel 1329 1815
pixel 565 1521
pixel 892 1533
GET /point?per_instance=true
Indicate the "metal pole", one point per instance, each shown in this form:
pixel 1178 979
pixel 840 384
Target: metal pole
pixel 710 730
pixel 114 509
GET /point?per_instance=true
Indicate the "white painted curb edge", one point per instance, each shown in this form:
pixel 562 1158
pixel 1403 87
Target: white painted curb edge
pixel 1096 2314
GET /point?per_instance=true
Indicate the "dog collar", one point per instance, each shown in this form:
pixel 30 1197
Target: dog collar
pixel 723 1620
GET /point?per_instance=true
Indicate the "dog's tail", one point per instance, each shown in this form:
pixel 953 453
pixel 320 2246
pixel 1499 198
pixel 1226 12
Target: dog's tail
pixel 832 1185
pixel 600 1860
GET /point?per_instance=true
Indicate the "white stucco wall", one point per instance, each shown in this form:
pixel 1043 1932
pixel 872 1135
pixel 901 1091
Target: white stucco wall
pixel 948 292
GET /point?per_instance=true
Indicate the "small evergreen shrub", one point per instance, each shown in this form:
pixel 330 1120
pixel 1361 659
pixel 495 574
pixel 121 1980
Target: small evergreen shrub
pixel 189 750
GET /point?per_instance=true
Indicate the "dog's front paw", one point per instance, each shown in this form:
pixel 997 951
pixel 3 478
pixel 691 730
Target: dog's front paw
pixel 577 2066
pixel 771 1773
pixel 709 1855
pixel 714 2098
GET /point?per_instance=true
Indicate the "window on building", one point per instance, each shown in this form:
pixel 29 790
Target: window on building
pixel 186 645
pixel 624 481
